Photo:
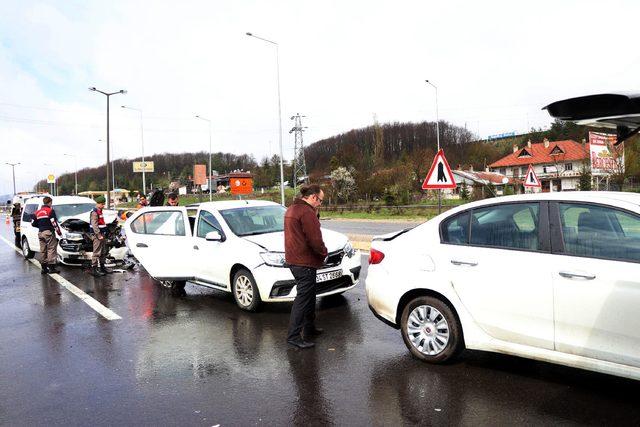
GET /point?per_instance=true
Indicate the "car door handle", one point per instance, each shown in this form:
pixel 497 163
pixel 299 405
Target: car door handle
pixel 570 275
pixel 470 264
pixel 141 245
pixel 196 247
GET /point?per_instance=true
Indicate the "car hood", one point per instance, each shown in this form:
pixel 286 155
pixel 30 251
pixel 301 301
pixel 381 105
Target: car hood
pixel 109 217
pixel 274 242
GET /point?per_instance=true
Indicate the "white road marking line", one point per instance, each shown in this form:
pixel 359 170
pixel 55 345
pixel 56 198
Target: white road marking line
pixel 101 309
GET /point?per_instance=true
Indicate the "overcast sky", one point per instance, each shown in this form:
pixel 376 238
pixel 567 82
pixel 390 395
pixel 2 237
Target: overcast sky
pixel 496 64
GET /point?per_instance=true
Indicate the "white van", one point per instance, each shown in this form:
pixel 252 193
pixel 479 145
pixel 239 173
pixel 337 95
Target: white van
pixel 75 246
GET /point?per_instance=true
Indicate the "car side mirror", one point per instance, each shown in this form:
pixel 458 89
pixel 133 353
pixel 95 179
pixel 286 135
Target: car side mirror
pixel 214 236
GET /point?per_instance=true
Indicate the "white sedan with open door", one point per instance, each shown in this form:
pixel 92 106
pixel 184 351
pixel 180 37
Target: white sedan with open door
pixel 235 246
pixel 552 277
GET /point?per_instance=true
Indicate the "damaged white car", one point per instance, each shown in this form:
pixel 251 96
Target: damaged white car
pixel 74 246
pixel 235 246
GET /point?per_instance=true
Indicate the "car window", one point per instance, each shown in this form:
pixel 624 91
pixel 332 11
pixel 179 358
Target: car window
pixel 600 232
pixel 207 223
pixel 27 213
pixel 455 230
pixel 513 225
pixel 72 209
pixel 255 219
pixel 166 223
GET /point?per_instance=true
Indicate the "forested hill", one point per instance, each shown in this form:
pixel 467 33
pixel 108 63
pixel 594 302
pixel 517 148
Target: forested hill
pixel 378 157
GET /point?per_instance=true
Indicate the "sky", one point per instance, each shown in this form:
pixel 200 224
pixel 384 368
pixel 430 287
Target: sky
pixel 342 64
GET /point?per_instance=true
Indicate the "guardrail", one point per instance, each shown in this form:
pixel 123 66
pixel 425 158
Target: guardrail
pixel 376 208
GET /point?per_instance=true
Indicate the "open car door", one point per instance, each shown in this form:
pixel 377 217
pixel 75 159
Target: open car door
pixel 617 111
pixel 160 238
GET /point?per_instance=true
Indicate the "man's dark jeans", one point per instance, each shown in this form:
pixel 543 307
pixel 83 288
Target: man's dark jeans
pixel 303 312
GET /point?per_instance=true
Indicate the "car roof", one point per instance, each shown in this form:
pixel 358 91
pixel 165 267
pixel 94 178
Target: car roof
pixel 234 204
pixel 606 197
pixel 61 200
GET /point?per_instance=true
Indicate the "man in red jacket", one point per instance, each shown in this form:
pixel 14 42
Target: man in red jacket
pixel 305 252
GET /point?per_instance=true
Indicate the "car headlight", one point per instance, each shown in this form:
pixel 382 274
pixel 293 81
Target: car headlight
pixel 348 250
pixel 73 236
pixel 274 259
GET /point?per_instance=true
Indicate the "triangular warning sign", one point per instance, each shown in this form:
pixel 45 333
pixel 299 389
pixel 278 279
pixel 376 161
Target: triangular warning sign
pixel 440 176
pixel 531 179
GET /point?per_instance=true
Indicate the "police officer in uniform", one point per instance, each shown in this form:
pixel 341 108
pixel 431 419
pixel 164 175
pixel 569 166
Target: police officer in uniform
pixel 99 238
pixel 47 222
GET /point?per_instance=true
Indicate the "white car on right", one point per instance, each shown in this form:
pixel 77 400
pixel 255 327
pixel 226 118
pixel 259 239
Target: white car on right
pixel 549 276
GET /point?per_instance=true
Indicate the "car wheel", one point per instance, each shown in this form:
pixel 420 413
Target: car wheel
pixel 245 291
pixel 174 285
pixel 430 330
pixel 26 250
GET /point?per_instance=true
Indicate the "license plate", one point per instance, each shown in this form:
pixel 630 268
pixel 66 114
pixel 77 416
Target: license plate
pixel 329 275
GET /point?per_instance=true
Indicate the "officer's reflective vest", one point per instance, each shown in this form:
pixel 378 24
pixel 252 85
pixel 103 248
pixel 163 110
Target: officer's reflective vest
pixel 101 224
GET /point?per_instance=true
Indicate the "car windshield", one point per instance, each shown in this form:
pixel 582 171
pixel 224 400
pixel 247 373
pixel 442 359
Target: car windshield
pixel 252 220
pixel 72 209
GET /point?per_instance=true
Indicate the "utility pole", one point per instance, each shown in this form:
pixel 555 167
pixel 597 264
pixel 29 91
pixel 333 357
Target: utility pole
pixel 299 163
pixel 438 141
pixel 13 170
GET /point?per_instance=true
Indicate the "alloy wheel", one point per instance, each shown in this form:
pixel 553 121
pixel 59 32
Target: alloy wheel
pixel 428 330
pixel 244 290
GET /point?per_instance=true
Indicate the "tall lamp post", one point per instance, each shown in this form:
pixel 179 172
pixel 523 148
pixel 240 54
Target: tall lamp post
pixel 208 179
pixel 279 114
pixel 108 95
pixel 438 140
pixel 75 159
pixel 144 165
pixel 13 171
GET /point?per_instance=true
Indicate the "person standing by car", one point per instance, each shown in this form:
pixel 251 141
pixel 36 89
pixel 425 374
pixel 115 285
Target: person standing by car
pixel 173 200
pixel 15 217
pixel 305 252
pixel 99 238
pixel 47 223
pixel 142 202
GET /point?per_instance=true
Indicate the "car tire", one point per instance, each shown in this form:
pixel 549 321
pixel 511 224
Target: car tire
pixel 174 285
pixel 26 250
pixel 245 291
pixel 431 330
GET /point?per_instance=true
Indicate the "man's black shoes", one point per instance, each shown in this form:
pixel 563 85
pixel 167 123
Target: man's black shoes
pixel 313 332
pixel 105 270
pixel 53 268
pixel 300 343
pixel 95 272
pixel 45 269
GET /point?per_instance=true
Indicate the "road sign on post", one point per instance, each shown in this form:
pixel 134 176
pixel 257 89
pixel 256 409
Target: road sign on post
pixel 143 166
pixel 51 179
pixel 440 176
pixel 531 180
pixel 241 185
pixel 199 174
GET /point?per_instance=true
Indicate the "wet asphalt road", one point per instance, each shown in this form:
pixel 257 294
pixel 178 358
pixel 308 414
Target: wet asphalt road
pixel 195 359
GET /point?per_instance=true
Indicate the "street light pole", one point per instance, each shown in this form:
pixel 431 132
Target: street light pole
pixel 144 165
pixel 13 171
pixel 279 113
pixel 209 178
pixel 108 95
pixel 438 140
pixel 75 160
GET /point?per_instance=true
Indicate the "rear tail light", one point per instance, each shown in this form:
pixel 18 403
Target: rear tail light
pixel 375 256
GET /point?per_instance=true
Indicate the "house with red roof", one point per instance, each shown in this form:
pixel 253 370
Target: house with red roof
pixel 556 163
